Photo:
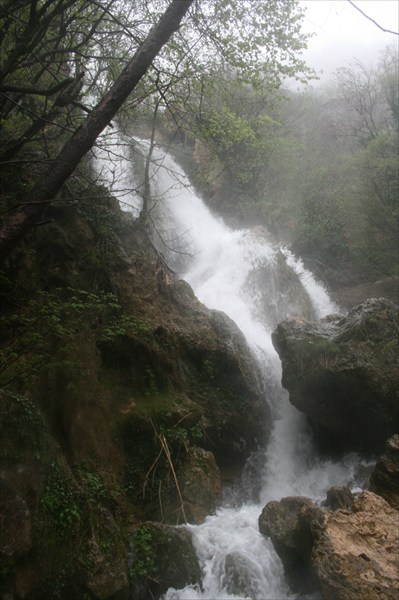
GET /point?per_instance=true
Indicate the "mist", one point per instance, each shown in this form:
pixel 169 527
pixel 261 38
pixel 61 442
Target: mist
pixel 341 33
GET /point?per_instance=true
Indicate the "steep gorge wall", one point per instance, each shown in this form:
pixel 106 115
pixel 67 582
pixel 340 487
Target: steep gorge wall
pixel 116 383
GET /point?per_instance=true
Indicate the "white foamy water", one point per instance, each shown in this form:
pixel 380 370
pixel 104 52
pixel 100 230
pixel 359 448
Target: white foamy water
pixel 114 167
pixel 236 560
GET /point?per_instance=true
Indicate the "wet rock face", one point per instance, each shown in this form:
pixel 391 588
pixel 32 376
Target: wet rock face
pixel 15 526
pixel 346 554
pixel 275 289
pixel 239 576
pixel 287 523
pixel 201 484
pixel 339 497
pixel 384 479
pixel 342 373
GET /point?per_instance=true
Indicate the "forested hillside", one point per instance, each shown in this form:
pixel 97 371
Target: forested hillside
pixel 317 167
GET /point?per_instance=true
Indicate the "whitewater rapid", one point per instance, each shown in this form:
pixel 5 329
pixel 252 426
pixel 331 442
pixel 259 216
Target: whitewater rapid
pixel 237 562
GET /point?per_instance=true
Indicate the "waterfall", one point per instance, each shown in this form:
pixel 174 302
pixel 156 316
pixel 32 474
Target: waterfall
pixel 257 282
pixel 115 168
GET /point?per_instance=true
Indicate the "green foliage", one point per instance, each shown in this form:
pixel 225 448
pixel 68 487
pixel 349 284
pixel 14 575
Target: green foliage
pixel 179 434
pixel 106 221
pixel 61 502
pixel 143 544
pixel 147 543
pixel 50 329
pixel 321 230
pixel 332 184
pixel 22 428
pixel 267 47
pixel 376 204
pixel 95 492
pixel 241 144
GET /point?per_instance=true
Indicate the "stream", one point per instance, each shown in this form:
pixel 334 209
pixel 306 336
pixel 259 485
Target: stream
pixel 243 273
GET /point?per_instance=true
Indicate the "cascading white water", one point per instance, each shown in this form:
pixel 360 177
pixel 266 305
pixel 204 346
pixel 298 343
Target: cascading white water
pixel 115 169
pixel 220 263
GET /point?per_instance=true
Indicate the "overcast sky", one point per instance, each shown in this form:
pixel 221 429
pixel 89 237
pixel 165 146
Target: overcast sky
pixel 342 33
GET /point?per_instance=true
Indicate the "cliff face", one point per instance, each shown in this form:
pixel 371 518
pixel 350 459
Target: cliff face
pixel 116 383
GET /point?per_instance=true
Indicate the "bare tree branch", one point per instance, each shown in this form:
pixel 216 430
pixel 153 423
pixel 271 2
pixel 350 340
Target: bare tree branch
pixel 372 20
pixel 37 91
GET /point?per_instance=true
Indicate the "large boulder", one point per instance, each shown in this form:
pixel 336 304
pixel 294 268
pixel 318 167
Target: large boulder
pixel 384 479
pixel 192 491
pixel 201 485
pixel 273 287
pixel 342 373
pixel 287 523
pixel 161 557
pixel 346 554
pixel 355 554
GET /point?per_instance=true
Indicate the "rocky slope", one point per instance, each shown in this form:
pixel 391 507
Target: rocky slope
pixel 117 386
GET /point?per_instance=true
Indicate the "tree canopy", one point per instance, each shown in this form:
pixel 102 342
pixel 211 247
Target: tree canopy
pixel 59 58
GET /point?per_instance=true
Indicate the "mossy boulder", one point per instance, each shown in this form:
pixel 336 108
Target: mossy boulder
pixel 161 557
pixel 342 373
pixel 59 534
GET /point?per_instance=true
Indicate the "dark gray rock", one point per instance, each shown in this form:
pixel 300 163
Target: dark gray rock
pixel 275 289
pixel 384 479
pixel 287 523
pixel 342 373
pixel 339 497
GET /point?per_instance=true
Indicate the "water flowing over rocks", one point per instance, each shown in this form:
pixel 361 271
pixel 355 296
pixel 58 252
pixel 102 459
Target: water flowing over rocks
pixel 346 554
pixel 279 291
pixel 142 401
pixel 342 373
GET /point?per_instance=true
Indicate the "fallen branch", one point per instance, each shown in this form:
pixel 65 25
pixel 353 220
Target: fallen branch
pixel 165 446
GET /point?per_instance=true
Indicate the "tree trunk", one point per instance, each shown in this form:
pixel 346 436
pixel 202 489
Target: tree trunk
pixel 19 220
